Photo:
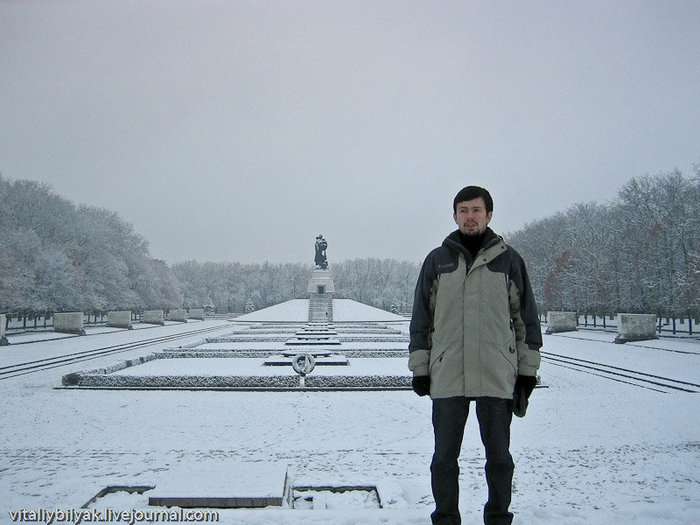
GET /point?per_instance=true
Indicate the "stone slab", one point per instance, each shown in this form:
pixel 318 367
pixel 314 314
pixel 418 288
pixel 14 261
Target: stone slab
pixel 635 327
pixel 196 313
pixel 153 317
pixel 68 322
pixel 223 485
pixel 3 325
pixel 120 319
pixel 561 322
pixel 316 333
pixel 178 315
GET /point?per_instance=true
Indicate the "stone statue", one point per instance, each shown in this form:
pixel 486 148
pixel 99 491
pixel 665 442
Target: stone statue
pixel 320 259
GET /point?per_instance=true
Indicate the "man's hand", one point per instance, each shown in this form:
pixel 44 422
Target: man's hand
pixel 421 385
pixel 524 385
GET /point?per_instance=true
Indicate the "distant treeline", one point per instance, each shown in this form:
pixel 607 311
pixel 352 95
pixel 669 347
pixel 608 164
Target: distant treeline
pixel 639 253
pixel 383 283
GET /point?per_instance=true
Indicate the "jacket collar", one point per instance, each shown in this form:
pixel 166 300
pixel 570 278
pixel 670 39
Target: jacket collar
pixel 453 242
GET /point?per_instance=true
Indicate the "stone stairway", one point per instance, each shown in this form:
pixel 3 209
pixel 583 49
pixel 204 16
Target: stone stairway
pixel 320 307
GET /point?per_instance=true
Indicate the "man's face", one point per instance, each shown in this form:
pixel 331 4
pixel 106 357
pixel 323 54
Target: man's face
pixel 471 216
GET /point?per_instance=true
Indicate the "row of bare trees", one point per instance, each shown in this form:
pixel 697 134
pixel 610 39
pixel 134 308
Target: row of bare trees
pixel 639 253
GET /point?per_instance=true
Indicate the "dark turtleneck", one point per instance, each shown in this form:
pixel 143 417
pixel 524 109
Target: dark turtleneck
pixel 472 243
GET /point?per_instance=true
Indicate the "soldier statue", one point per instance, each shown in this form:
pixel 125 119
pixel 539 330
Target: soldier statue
pixel 320 259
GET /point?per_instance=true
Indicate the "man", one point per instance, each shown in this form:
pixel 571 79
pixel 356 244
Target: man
pixel 475 336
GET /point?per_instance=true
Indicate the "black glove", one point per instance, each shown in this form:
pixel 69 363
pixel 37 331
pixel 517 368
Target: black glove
pixel 524 385
pixel 421 385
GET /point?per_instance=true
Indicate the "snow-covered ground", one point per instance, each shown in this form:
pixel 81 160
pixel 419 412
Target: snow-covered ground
pixel 589 451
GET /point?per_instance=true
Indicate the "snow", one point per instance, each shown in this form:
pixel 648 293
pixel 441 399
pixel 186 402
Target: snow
pixel 348 310
pixel 675 359
pixel 589 451
pixel 297 310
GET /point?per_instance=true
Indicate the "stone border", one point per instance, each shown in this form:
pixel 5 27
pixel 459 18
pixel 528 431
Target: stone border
pixel 75 378
pixel 399 338
pixel 247 354
pixel 236 382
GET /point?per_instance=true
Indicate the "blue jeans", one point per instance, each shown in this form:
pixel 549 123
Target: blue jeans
pixel 449 419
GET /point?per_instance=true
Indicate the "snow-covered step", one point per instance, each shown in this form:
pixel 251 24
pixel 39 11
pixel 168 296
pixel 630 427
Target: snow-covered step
pixel 223 485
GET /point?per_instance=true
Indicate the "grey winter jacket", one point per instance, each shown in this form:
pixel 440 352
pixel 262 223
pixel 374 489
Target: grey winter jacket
pixel 475 325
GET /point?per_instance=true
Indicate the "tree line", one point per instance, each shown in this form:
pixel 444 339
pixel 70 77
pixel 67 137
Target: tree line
pixel 638 253
pixel 383 283
pixel 57 256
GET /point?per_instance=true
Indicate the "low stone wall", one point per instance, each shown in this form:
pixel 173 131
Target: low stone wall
pixel 69 323
pixel 196 313
pixel 635 327
pixel 120 319
pixel 3 324
pixel 288 382
pixel 153 317
pixel 561 322
pixel 178 315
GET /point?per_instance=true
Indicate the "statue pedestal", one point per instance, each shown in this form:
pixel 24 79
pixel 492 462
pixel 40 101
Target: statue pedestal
pixel 321 290
pixel 321 282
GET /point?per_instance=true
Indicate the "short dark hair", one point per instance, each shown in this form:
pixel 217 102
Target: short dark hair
pixel 473 192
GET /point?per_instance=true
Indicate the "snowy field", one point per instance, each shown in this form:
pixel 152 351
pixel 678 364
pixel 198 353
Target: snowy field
pixel 590 450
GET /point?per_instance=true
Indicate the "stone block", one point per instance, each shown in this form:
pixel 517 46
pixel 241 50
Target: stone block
pixel 69 323
pixel 561 322
pixel 321 282
pixel 635 327
pixel 196 313
pixel 153 317
pixel 120 319
pixel 3 324
pixel 223 485
pixel 178 315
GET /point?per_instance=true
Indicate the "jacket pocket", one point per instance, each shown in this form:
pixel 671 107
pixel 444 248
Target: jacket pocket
pixel 510 354
pixel 438 359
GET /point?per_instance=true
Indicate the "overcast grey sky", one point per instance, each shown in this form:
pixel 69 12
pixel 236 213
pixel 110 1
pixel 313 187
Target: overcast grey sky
pixel 239 130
